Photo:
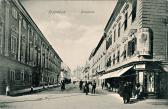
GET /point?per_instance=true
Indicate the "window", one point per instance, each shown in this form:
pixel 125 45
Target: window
pixel 23 51
pixel 26 77
pixel 124 52
pixel 24 24
pixel 22 75
pixel 113 59
pixel 119 26
pixel 125 21
pixel 134 8
pixel 14 13
pixel 1 37
pixel 12 75
pixel 131 47
pixel 109 62
pixel 109 42
pixel 114 35
pixel 17 75
pixel 13 44
pixel 118 56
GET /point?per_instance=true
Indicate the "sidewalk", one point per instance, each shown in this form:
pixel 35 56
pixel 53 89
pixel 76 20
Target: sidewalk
pixel 105 91
pixel 35 89
pixel 133 100
pixel 30 97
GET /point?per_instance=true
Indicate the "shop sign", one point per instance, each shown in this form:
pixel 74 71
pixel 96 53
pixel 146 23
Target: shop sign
pixel 140 66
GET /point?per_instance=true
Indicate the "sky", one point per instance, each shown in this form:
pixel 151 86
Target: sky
pixel 73 27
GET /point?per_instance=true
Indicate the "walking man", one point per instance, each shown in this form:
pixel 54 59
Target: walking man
pixel 93 87
pixel 80 84
pixel 86 88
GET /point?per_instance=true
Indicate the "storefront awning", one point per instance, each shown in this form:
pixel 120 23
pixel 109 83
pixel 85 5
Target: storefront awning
pixel 110 75
pixel 124 70
pixel 117 73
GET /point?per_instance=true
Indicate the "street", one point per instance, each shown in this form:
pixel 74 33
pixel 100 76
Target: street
pixel 73 98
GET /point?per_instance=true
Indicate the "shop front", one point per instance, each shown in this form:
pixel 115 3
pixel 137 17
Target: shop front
pixel 148 77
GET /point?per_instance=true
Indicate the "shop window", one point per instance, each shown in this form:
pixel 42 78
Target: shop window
pixel 13 44
pixel 119 28
pixel 134 9
pixel 126 21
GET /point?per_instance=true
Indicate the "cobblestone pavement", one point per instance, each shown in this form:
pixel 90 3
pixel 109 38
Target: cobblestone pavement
pixel 73 98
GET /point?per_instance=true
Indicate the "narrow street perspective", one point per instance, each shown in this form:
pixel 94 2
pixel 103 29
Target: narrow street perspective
pixel 83 54
pixel 73 98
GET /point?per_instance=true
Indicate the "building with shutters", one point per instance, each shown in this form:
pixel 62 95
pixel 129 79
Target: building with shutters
pixel 26 57
pixel 136 46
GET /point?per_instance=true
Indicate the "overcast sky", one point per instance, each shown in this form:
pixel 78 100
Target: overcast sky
pixel 73 28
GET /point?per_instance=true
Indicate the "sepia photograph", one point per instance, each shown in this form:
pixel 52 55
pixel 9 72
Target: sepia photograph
pixel 83 54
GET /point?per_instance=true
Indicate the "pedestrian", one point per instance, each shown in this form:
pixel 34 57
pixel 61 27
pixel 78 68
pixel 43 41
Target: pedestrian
pixel 62 85
pixel 7 90
pixel 86 88
pixel 126 93
pixel 139 91
pixel 93 87
pixel 102 84
pixel 80 84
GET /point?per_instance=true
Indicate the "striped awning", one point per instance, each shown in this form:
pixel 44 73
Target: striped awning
pixel 116 73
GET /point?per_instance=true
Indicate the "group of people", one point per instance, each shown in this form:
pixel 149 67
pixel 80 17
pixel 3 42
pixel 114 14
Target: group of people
pixel 127 90
pixel 85 86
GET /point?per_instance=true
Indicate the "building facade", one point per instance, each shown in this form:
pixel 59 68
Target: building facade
pixel 97 60
pixel 65 73
pixel 27 58
pixel 136 45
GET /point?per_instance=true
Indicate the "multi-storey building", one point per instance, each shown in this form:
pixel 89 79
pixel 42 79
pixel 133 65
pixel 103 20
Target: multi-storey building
pixel 85 72
pixel 136 49
pixel 97 60
pixel 27 58
pixel 78 73
pixel 65 73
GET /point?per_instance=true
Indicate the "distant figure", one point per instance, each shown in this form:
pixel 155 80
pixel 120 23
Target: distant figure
pixel 80 84
pixel 93 87
pixel 62 85
pixel 139 91
pixel 86 88
pixel 102 84
pixel 7 90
